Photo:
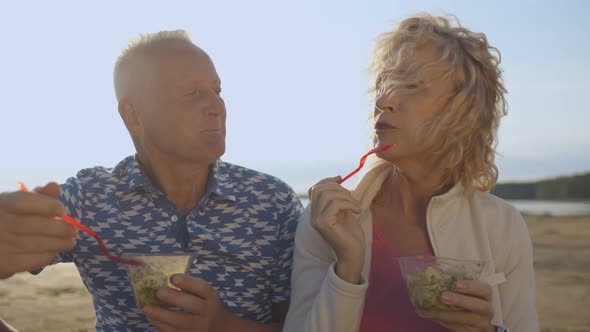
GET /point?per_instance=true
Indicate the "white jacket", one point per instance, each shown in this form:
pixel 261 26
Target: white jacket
pixel 480 227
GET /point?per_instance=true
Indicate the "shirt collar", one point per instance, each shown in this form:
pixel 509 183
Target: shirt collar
pixel 134 177
pixel 456 190
pixel 219 181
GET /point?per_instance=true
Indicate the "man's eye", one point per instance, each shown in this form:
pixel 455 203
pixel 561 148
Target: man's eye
pixel 194 93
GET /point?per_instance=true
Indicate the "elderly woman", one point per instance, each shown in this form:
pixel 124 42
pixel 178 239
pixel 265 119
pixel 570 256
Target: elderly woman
pixel 439 97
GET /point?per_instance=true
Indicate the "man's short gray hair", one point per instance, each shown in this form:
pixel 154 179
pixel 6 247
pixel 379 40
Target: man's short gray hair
pixel 139 45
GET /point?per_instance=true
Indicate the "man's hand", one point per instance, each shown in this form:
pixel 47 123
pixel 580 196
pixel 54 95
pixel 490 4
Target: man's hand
pixel 30 234
pixel 202 310
pixel 473 296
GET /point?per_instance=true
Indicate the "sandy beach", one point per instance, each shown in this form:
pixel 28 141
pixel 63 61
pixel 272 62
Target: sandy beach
pixel 56 300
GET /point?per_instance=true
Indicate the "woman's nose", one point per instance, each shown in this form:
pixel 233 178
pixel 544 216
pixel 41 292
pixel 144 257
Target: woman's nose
pixel 385 104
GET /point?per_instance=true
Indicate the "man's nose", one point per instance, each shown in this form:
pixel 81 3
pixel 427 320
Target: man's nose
pixel 215 105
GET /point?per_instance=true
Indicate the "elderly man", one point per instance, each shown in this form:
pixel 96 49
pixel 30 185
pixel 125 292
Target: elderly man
pixel 173 196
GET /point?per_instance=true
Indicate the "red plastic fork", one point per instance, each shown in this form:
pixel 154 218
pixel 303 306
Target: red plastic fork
pixel 103 248
pixel 364 158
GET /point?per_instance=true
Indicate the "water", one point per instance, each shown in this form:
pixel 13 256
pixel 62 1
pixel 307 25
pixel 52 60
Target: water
pixel 554 208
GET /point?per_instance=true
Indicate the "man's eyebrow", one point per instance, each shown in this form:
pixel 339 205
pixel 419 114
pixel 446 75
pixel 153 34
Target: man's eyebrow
pixel 193 82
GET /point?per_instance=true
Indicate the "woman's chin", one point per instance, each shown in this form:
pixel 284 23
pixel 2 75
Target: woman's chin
pixel 389 156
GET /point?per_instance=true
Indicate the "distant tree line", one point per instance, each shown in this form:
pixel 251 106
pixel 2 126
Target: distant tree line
pixel 571 188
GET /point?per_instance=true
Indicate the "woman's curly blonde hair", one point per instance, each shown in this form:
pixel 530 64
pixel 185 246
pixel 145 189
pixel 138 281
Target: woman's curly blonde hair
pixel 461 139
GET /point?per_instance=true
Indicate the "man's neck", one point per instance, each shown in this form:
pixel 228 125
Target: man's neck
pixel 183 183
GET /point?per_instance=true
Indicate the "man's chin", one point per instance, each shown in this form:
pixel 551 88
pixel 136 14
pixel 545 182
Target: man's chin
pixel 211 154
pixel 218 151
pixel 197 156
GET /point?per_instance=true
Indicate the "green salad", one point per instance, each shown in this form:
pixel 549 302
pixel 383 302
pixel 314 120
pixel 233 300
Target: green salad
pixel 155 274
pixel 146 282
pixel 426 287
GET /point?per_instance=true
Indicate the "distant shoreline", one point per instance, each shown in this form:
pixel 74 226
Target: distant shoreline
pixel 584 200
pixel 572 188
pixel 534 207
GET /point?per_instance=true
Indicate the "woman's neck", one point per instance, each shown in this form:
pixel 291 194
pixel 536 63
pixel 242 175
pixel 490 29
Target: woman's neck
pixel 409 191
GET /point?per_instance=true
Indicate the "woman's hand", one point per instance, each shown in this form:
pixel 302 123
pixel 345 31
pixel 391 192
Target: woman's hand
pixel 473 296
pixel 333 212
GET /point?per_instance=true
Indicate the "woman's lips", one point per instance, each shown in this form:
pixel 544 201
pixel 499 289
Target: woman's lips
pixel 381 127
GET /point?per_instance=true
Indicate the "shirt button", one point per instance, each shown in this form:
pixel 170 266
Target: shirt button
pixel 174 218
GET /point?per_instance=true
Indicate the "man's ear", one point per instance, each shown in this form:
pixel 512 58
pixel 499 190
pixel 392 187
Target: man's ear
pixel 130 117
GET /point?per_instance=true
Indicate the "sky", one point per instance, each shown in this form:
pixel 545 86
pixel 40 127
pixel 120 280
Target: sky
pixel 293 78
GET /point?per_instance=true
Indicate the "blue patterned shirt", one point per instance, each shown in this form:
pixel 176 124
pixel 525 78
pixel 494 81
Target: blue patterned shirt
pixel 240 233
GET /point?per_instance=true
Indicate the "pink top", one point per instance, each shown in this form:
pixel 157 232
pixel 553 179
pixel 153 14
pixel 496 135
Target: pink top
pixel 387 305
